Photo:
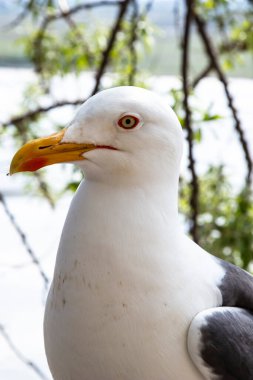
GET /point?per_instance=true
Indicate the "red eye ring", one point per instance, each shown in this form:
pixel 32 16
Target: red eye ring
pixel 128 122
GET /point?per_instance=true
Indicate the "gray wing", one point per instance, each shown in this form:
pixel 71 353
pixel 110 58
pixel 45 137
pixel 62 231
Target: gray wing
pixel 220 340
pixel 236 287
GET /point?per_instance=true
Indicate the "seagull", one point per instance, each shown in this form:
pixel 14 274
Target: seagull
pixel 132 297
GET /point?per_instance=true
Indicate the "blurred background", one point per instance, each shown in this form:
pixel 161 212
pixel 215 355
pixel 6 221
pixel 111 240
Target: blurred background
pixel 54 54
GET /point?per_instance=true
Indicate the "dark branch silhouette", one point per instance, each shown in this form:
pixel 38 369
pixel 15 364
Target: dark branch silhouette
pixel 210 51
pixel 31 115
pixel 44 188
pixel 24 241
pixel 188 121
pixel 19 18
pixel 133 38
pixel 83 6
pixel 105 56
pixel 203 74
pixel 33 366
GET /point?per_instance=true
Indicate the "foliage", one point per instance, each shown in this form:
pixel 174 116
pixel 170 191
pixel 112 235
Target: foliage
pixel 225 217
pixel 234 28
pixel 200 115
pixel 78 48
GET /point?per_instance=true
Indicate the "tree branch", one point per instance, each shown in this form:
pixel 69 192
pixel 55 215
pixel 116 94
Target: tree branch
pixel 135 18
pixel 24 240
pixel 30 115
pixel 133 38
pixel 188 121
pixel 19 18
pixel 201 26
pixel 34 367
pixel 78 8
pixel 44 188
pixel 112 38
pixel 202 75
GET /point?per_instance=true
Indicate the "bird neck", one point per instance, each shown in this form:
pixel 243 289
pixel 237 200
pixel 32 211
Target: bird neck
pixel 149 200
pixel 109 223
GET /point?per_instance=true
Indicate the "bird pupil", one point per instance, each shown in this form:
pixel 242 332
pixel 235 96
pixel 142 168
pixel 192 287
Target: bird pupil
pixel 128 121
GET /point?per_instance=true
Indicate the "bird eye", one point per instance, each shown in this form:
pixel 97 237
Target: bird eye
pixel 128 122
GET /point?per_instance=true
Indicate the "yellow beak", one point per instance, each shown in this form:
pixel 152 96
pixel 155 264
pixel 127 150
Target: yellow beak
pixel 47 151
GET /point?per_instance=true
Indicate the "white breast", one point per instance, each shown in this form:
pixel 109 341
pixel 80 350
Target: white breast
pixel 125 289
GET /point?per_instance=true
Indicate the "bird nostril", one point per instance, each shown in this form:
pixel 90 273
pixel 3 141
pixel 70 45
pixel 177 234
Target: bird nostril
pixel 44 147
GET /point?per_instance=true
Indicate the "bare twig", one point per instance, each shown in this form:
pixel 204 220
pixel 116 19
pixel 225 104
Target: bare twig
pixel 30 115
pixel 19 18
pixel 201 26
pixel 80 7
pixel 24 240
pixel 136 17
pixel 33 366
pixel 112 38
pixel 203 74
pixel 44 189
pixel 132 48
pixel 188 122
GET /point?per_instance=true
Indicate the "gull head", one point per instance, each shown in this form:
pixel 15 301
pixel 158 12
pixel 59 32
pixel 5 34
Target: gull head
pixel 120 134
